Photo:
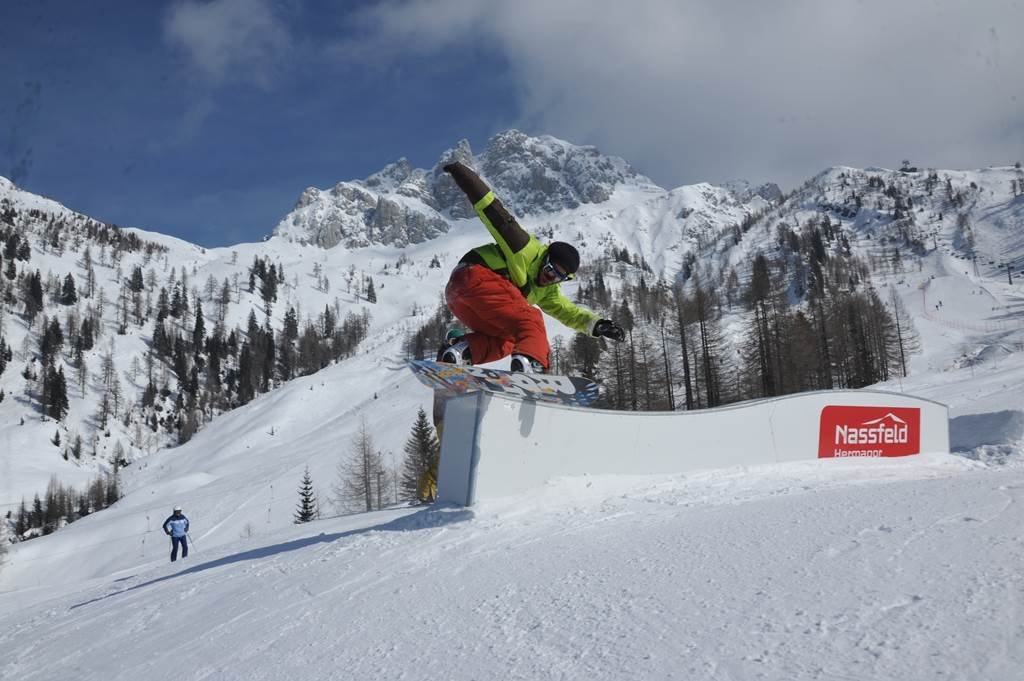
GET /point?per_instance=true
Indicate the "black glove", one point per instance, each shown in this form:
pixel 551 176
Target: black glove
pixel 609 329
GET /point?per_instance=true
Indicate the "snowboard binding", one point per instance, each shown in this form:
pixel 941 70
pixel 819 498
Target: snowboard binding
pixel 455 349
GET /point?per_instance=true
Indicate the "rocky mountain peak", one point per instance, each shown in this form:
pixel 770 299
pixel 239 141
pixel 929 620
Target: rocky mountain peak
pixel 744 191
pixel 392 175
pixel 545 174
pixel 400 204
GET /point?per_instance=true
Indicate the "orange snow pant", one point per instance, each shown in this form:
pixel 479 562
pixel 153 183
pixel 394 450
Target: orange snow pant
pixel 501 320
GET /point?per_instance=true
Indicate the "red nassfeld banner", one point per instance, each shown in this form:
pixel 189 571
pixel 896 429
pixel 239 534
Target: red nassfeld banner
pixel 869 431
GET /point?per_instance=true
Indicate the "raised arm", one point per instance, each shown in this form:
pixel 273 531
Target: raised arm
pixel 503 227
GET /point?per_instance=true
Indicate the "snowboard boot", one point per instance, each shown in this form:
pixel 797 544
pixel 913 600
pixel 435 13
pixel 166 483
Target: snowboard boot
pixel 526 365
pixel 457 353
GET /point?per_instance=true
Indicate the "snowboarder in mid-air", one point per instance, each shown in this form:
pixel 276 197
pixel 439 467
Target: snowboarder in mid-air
pixel 494 288
pixel 176 527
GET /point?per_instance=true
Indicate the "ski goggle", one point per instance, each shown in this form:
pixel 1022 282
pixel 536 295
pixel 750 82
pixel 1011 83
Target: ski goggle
pixel 553 271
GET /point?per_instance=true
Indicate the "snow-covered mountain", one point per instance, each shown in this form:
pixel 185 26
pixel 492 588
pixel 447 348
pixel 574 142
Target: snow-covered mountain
pixel 401 227
pixel 945 243
pixel 401 205
pixel 560 191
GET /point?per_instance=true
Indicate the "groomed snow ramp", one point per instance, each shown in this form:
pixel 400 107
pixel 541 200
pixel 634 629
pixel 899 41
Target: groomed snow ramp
pixel 498 445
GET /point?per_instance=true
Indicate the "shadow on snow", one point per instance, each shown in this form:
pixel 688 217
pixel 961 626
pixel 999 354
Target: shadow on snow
pixel 427 518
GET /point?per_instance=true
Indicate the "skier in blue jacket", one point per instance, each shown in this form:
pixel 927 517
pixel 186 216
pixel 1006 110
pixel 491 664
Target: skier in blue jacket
pixel 176 527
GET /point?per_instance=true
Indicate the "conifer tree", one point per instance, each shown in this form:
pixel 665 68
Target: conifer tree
pixel 422 454
pixel 69 294
pixel 246 375
pixel 137 283
pixel 182 362
pixel 55 393
pixel 21 523
pixel 223 301
pixel 306 510
pixel 291 325
pixel 5 354
pixel 38 512
pixel 199 330
pixel 179 302
pixel 163 306
pixel 11 246
pixel 52 340
pixel 33 295
pixel 268 290
pixel 311 354
pixel 268 354
pixel 328 322
pixel 286 357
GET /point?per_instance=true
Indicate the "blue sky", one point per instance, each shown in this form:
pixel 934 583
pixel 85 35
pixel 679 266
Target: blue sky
pixel 108 114
pixel 207 118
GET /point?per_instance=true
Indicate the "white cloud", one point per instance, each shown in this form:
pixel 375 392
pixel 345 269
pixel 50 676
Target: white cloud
pixel 691 90
pixel 229 40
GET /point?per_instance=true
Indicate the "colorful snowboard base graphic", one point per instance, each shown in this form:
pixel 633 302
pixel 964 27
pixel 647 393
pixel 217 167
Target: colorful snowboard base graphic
pixel 453 379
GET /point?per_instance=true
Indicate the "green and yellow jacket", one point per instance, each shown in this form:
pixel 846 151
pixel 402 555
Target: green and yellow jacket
pixel 515 254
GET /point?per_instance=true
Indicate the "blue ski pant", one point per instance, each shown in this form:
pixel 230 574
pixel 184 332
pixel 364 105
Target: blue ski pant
pixel 174 548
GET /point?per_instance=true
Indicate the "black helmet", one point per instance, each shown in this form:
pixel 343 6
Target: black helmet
pixel 564 255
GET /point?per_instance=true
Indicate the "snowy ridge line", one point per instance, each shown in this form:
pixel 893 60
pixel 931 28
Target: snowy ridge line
pixel 502 445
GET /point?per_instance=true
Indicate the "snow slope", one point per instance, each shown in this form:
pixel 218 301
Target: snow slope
pixel 836 569
pixel 904 569
pixel 854 569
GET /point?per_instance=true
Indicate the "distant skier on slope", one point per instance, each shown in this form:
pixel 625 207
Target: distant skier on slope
pixel 494 288
pixel 176 527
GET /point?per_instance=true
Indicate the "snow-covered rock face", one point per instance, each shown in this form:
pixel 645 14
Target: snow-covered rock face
pixel 745 192
pixel 544 174
pixel 449 198
pixel 353 215
pixel 401 205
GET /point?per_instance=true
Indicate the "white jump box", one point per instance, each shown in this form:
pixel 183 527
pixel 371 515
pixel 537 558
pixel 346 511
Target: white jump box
pixel 496 445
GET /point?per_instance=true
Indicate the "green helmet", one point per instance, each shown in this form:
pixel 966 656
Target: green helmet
pixel 454 335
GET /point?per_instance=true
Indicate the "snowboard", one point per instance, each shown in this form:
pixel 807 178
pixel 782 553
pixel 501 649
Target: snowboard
pixel 453 379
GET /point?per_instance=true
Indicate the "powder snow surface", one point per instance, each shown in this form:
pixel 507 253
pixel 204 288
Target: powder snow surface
pixel 829 570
